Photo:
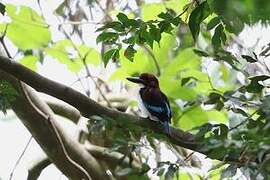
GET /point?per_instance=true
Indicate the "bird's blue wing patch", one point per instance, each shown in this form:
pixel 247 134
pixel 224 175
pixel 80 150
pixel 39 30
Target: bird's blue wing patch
pixel 157 109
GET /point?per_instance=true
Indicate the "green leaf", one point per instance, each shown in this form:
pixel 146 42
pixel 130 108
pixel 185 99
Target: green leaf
pixel 30 62
pixel 165 26
pixel 91 55
pixel 145 168
pixel 7 95
pixel 227 57
pixel 2 9
pixel 107 37
pixel 122 17
pixel 131 40
pixel 155 33
pixel 145 36
pixel 192 117
pixel 171 172
pixel 254 86
pixel 265 107
pixel 201 53
pixel 111 54
pixel 173 89
pixel 203 130
pixel 60 51
pixel 150 11
pixel 60 9
pixel 141 63
pixel 185 59
pixel 217 116
pixel 217 99
pixel 161 172
pixel 115 25
pixel 249 58
pixel 240 111
pixel 217 37
pixel 200 13
pixel 27 29
pixel 165 16
pixel 213 23
pixel 185 80
pixel 259 78
pixel 129 53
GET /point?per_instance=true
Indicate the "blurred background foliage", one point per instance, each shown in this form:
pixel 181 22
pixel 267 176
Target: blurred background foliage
pixel 217 86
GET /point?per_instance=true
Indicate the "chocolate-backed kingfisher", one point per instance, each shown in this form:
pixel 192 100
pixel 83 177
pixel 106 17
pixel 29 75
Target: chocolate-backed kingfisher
pixel 152 101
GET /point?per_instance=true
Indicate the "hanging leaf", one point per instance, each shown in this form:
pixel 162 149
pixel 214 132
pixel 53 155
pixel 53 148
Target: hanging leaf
pixel 218 37
pixel 249 58
pixel 122 18
pixel 129 53
pixel 213 23
pixel 254 85
pixel 115 25
pixel 2 9
pixel 201 53
pixel 111 54
pixel 200 13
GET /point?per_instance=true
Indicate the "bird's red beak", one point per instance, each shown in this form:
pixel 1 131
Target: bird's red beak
pixel 135 80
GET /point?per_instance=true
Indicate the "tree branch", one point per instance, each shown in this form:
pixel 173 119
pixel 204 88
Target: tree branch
pixel 64 110
pixel 38 125
pixel 114 158
pixel 37 167
pixel 88 107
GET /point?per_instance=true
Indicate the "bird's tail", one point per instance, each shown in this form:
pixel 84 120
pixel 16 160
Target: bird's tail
pixel 166 127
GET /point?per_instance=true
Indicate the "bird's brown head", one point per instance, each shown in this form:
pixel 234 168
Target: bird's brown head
pixel 146 79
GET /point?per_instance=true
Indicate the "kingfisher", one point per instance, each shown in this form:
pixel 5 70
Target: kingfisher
pixel 152 101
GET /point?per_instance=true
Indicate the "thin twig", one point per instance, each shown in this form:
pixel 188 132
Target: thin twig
pixel 78 23
pixel 154 59
pixel 86 67
pixel 3 42
pixel 96 84
pixel 189 156
pixel 243 122
pixel 20 158
pixel 103 10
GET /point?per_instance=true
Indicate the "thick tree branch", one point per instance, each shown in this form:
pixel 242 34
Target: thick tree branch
pixel 39 127
pixel 64 110
pixel 87 106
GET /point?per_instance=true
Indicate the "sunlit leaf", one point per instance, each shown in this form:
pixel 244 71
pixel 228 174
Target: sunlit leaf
pixel 27 29
pixel 184 60
pixel 194 116
pixel 61 51
pixel 30 62
pixel 151 11
pixel 91 55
